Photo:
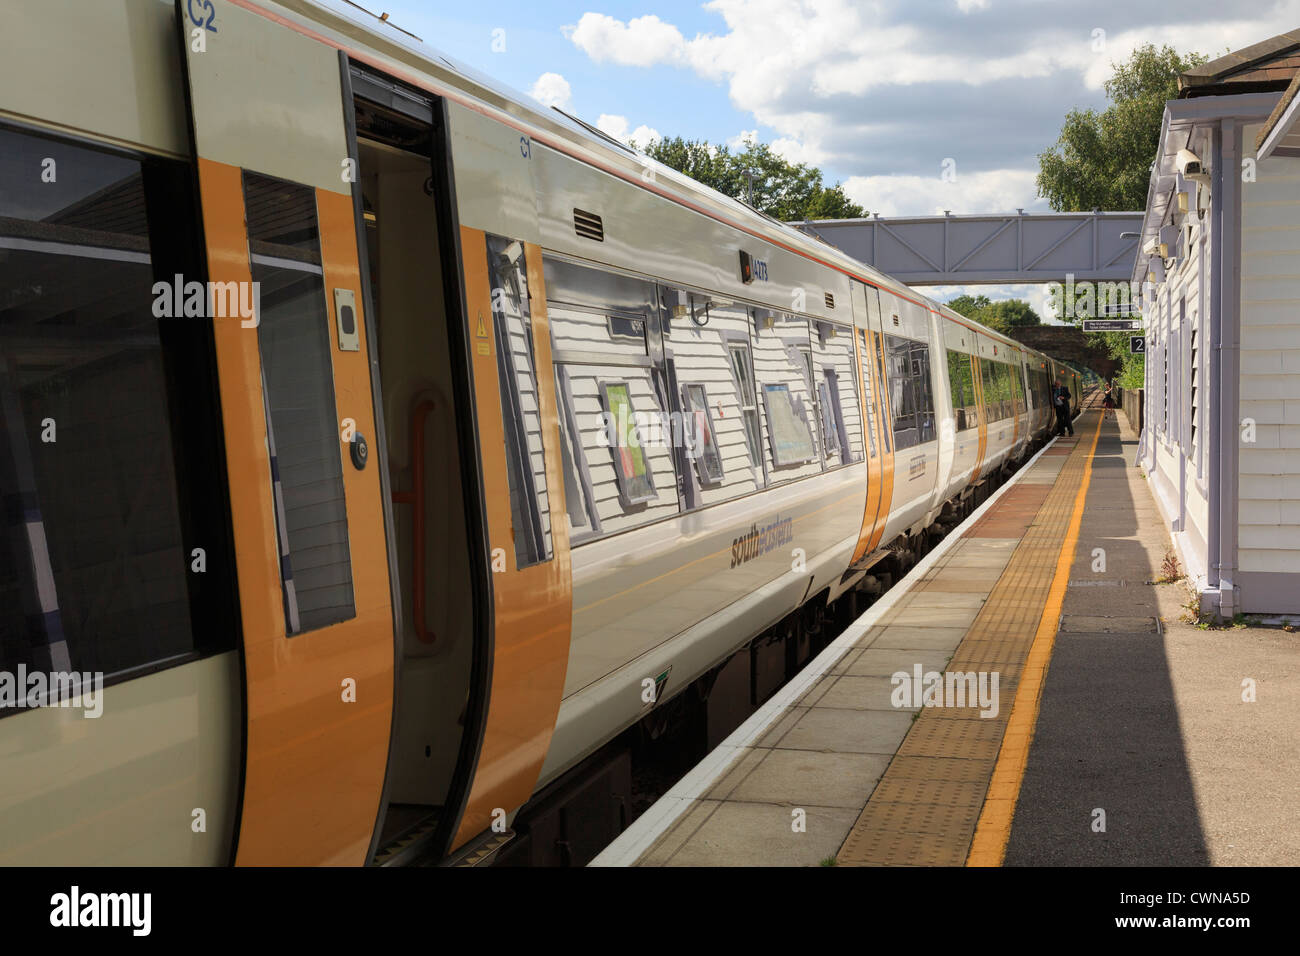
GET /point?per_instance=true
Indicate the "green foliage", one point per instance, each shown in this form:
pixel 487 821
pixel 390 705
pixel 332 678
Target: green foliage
pixel 784 190
pixel 1103 160
pixel 1132 371
pixel 1002 316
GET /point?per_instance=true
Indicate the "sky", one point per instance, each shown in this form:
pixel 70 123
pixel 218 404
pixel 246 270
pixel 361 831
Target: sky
pixel 877 93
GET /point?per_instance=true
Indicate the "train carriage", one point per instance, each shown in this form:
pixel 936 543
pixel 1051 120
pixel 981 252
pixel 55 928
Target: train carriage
pixel 379 446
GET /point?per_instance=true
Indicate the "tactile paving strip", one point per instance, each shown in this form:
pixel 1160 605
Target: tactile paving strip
pixel 925 808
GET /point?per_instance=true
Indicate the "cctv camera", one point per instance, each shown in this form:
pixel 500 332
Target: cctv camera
pixel 1190 165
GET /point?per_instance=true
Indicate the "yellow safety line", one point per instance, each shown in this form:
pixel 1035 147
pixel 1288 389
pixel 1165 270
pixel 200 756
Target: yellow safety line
pixel 994 827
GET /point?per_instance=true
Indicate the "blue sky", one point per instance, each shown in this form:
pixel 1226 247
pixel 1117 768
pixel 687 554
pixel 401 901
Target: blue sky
pixel 878 93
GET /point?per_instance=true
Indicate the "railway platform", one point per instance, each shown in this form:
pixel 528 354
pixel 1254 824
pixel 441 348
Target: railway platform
pixel 847 765
pixel 905 742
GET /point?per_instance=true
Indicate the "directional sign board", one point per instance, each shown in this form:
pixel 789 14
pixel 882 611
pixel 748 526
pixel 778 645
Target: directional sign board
pixel 1112 325
pixel 1117 310
pixel 1137 345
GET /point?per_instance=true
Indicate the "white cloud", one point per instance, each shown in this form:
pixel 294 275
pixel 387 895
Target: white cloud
pixel 553 90
pixel 611 124
pixel 818 72
pixel 741 140
pixel 643 135
pixel 990 191
pixel 642 41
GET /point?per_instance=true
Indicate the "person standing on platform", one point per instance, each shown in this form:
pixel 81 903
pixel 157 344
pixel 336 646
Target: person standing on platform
pixel 1108 403
pixel 1061 402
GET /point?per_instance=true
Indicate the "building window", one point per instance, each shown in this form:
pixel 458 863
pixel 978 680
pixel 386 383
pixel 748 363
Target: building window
pixel 743 370
pixel 715 425
pixel 701 436
pixel 783 368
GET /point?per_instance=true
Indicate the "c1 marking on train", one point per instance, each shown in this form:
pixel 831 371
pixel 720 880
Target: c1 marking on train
pixel 206 7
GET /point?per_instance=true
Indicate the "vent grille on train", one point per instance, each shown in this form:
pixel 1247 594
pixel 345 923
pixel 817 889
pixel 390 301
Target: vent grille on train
pixel 830 301
pixel 588 225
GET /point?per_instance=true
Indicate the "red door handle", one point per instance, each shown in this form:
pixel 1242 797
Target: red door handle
pixel 415 498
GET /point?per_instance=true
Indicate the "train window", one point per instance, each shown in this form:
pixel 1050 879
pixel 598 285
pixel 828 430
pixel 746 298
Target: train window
pixel 707 346
pixel 911 395
pixel 521 416
pixel 1018 387
pixel 924 391
pixel 302 422
pixel 110 439
pixel 997 388
pixel 784 372
pixel 832 356
pixel 962 385
pixel 884 380
pixel 606 342
pixel 869 403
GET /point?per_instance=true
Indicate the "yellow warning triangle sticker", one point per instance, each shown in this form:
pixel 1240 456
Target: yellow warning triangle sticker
pixel 482 327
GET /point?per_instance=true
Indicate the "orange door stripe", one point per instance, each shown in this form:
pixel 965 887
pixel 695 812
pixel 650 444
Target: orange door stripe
pixel 887 447
pixel 870 422
pixel 532 606
pixel 981 412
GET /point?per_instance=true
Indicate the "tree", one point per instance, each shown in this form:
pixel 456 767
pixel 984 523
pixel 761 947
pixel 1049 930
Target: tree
pixel 784 190
pixel 1002 316
pixel 1103 160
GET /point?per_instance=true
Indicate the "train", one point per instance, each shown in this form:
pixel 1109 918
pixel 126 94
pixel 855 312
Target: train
pixel 382 447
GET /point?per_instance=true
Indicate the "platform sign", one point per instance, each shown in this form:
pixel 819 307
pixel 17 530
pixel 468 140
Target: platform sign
pixel 1137 345
pixel 1118 310
pixel 1112 325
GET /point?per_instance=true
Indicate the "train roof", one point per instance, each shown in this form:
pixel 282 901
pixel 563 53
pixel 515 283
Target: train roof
pixel 355 27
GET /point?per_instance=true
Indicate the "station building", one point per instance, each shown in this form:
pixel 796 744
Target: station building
pixel 1220 241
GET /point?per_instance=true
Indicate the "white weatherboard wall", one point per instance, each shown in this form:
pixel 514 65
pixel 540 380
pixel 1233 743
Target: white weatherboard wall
pixel 1268 557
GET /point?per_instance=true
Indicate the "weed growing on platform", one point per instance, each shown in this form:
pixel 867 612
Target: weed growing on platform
pixel 1170 570
pixel 830 861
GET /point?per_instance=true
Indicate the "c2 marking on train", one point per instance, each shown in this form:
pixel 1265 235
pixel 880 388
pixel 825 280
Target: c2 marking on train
pixel 525 147
pixel 205 7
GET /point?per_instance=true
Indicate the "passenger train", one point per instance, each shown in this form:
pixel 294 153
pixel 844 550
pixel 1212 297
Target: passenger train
pixel 379 445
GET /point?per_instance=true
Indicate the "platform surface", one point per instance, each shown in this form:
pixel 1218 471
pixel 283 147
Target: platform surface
pixel 1117 734
pixel 841 765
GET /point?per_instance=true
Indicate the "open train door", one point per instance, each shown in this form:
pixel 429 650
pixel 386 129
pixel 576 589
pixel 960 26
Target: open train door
pixel 273 163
